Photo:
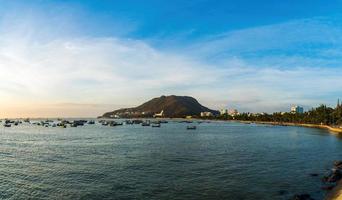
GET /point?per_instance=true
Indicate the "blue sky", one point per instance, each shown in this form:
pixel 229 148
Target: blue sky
pixel 81 58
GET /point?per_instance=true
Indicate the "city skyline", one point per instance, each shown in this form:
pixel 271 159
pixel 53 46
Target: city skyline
pixel 83 58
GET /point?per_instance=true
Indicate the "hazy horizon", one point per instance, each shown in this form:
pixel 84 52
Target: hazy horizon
pixel 84 58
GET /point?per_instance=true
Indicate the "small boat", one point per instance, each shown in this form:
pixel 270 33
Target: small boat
pixel 113 123
pixel 7 125
pixel 156 125
pixel 128 122
pixel 146 123
pixel 137 121
pixel 191 127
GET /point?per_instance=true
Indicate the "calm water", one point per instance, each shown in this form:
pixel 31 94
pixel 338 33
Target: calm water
pixel 216 161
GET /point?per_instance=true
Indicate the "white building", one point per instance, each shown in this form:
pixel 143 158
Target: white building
pixel 206 114
pixel 297 109
pixel 224 111
pixel 161 114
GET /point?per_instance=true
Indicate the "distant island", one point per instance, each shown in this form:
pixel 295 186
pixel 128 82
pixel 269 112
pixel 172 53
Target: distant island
pixel 165 106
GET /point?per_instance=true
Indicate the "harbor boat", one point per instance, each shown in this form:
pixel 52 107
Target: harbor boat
pixel 156 125
pixel 128 122
pixel 191 127
pixel 79 122
pixel 137 121
pixel 7 125
pixel 146 123
pixel 91 122
pixel 112 123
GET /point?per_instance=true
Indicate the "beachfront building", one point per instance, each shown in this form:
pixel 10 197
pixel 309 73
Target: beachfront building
pixel 297 109
pixel 161 114
pixel 224 111
pixel 233 112
pixel 206 114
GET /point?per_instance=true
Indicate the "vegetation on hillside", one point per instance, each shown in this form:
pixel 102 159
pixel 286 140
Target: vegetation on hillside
pixel 172 106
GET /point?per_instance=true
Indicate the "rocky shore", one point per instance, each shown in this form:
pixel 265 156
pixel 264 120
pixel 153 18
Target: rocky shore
pixel 336 193
pixel 331 182
pixel 334 183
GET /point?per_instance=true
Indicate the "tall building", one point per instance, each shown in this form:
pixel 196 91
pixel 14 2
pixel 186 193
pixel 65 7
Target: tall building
pixel 297 109
pixel 224 111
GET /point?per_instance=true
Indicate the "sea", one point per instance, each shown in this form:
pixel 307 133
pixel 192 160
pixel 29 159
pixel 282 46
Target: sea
pixel 217 160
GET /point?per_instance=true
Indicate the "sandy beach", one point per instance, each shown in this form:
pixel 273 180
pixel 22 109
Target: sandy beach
pixel 334 130
pixel 336 193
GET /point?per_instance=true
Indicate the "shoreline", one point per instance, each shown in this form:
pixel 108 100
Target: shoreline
pixel 335 193
pixel 334 130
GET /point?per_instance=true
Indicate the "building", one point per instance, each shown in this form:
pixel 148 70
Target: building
pixel 206 114
pixel 297 109
pixel 224 111
pixel 161 114
pixel 233 112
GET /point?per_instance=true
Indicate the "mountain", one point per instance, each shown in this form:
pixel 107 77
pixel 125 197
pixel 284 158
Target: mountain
pixel 172 106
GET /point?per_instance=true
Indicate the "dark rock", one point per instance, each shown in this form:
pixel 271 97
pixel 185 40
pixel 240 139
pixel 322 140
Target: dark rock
pixel 338 164
pixel 333 177
pixel 328 187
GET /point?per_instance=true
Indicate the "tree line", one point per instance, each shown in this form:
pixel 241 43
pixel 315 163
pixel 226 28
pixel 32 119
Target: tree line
pixel 321 115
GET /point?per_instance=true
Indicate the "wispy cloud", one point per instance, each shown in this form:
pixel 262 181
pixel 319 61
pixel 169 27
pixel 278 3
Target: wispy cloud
pixel 264 68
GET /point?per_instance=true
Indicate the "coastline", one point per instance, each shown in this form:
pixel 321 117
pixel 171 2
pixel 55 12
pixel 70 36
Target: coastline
pixel 334 130
pixel 335 193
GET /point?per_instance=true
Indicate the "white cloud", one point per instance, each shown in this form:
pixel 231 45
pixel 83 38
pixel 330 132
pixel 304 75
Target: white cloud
pixel 77 73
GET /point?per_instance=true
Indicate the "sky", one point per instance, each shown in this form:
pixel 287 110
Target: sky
pixel 70 58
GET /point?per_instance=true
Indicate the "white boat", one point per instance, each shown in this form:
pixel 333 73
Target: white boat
pixel 156 125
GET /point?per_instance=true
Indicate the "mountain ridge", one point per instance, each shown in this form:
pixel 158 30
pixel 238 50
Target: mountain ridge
pixel 172 106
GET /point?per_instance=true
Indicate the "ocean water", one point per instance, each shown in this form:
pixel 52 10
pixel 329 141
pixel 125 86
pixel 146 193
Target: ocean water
pixel 219 160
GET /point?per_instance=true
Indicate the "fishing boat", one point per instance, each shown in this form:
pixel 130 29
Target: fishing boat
pixel 7 125
pixel 156 125
pixel 91 122
pixel 191 127
pixel 146 123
